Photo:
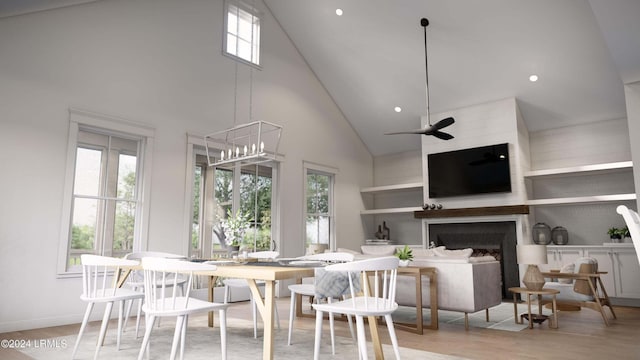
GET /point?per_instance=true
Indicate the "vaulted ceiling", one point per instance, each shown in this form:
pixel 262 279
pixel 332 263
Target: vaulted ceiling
pixel 371 59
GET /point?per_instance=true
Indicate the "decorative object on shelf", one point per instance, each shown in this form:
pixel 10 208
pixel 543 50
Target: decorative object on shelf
pixel 434 129
pixel 616 234
pixel 532 255
pixel 559 235
pixel 313 249
pixel 385 231
pixel 379 234
pixel 405 255
pixel 541 234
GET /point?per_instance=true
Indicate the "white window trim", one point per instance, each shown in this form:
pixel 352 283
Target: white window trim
pixel 78 118
pixel 250 9
pixel 333 173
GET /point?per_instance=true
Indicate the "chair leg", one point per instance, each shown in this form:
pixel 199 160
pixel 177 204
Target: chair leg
pixel 223 332
pixel 176 336
pixel 362 340
pixel 183 336
pixel 392 335
pixel 120 320
pixel 466 321
pixel 255 319
pixel 149 322
pixel 292 309
pixel 332 331
pixel 103 327
pixel 138 316
pixel 85 320
pixel 127 313
pixel 316 344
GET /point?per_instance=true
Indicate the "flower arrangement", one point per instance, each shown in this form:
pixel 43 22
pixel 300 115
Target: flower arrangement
pixel 235 226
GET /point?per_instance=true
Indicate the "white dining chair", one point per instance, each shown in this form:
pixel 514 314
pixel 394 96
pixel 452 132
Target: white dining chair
pixel 98 287
pixel 379 301
pixel 229 284
pixel 163 303
pixel 136 282
pixel 309 289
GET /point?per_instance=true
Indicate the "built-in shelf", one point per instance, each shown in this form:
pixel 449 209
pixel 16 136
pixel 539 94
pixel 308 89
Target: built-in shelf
pixel 581 170
pixel 582 199
pixel 396 187
pixel 391 210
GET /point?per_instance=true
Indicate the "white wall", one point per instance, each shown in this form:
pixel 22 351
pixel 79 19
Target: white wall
pixel 158 62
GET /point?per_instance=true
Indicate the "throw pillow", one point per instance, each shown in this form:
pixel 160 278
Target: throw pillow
pixel 453 253
pixel 425 252
pixel 378 250
pixel 568 268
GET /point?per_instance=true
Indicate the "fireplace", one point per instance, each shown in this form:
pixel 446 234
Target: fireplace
pixel 497 239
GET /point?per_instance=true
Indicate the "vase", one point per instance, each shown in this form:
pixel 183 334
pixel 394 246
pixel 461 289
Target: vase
pixel 404 263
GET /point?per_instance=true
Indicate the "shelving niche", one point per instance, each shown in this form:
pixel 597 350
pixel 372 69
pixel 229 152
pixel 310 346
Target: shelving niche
pixel 412 188
pixel 582 171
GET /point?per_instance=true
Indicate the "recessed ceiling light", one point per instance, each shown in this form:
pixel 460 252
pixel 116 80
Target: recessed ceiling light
pixel 533 78
pixel 397 108
pixel 339 12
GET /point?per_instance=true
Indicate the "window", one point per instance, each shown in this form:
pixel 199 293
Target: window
pixel 103 197
pixel 242 32
pixel 220 191
pixel 319 212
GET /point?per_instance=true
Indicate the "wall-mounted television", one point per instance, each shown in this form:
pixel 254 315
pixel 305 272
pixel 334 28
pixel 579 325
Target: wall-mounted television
pixel 479 170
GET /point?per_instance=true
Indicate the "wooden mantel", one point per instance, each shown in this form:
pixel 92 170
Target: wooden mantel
pixel 478 211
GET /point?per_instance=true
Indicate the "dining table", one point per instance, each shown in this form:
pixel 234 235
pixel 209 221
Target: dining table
pixel 270 273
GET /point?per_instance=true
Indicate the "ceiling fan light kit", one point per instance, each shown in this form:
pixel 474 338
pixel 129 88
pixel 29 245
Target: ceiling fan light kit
pixel 433 130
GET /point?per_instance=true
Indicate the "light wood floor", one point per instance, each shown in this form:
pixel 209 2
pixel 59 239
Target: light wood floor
pixel 581 335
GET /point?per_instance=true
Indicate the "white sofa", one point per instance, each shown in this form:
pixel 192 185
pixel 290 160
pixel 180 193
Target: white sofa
pixel 465 284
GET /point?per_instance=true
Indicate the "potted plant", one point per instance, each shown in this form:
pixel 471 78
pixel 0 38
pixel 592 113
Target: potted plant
pixel 616 234
pixel 405 255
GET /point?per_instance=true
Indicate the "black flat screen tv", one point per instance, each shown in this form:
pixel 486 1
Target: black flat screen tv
pixel 479 170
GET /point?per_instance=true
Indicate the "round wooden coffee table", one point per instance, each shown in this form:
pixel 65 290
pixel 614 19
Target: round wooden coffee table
pixel 538 318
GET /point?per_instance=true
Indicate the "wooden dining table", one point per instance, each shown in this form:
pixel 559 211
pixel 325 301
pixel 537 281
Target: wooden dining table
pixel 270 273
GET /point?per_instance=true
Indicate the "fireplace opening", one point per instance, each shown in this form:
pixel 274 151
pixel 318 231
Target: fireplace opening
pixel 497 239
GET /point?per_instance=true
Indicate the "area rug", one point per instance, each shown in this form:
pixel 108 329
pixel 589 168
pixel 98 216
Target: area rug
pixel 500 317
pixel 204 343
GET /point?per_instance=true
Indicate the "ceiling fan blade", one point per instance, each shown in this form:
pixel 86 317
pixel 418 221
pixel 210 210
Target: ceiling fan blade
pixel 441 135
pixel 417 131
pixel 443 123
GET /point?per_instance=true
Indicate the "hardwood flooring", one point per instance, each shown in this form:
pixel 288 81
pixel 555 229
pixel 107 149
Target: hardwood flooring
pixel 581 335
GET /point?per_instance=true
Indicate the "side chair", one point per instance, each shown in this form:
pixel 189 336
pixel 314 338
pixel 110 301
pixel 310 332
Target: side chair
pixel 310 291
pixel 163 303
pixel 364 302
pixel 136 281
pixel 98 287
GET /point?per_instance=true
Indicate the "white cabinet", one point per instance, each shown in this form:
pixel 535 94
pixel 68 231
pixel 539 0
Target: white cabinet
pixel 409 194
pixel 588 174
pixel 627 269
pixel 620 262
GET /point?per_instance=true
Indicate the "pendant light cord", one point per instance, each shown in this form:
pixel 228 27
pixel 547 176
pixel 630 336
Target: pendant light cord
pixel 424 22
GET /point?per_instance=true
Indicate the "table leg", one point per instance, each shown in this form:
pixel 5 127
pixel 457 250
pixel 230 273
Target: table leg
pixel 529 311
pixel 515 309
pixel 555 313
pixel 375 337
pixel 433 293
pixel 265 308
pixel 419 324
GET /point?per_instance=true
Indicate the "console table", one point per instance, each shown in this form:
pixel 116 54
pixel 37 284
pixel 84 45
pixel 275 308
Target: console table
pixel 539 293
pixel 417 272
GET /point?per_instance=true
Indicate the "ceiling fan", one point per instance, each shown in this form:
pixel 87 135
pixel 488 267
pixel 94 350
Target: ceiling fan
pixel 433 130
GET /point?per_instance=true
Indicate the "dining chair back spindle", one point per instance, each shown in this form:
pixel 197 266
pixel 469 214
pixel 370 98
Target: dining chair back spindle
pixel 167 303
pixel 99 287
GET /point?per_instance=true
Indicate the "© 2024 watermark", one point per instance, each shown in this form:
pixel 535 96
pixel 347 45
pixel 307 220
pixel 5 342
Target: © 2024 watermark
pixel 19 344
